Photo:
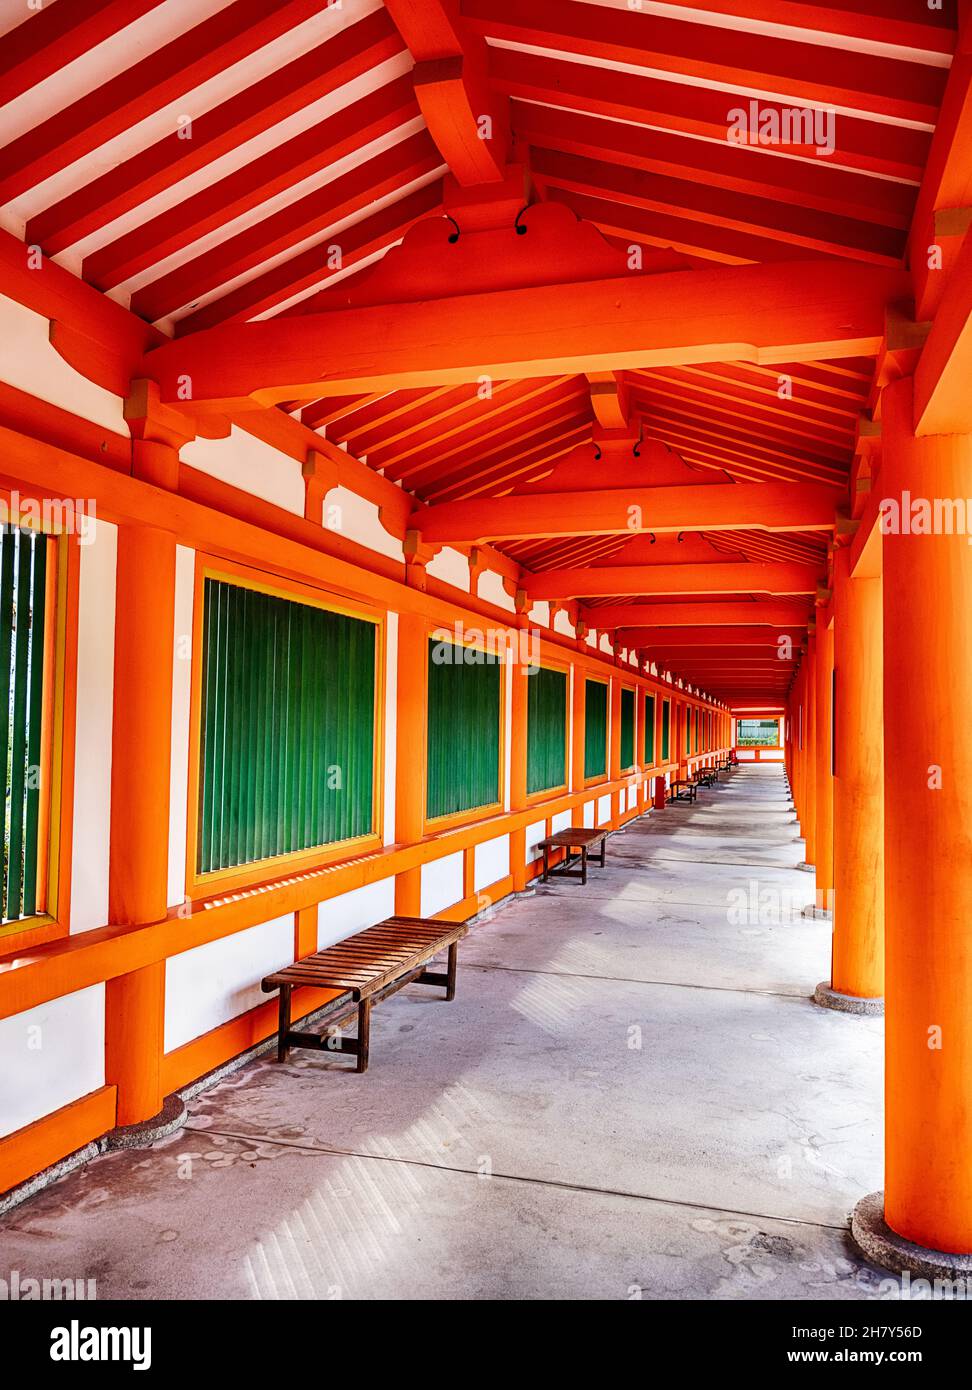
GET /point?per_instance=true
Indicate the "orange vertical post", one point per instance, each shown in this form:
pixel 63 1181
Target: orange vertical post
pixel 519 702
pixel 809 825
pixel 410 755
pixel 824 829
pixel 928 867
pixel 857 972
pixel 577 722
pixel 614 756
pixel 139 833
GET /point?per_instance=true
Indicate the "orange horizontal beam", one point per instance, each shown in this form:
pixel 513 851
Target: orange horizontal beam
pixel 719 578
pixel 760 313
pixel 626 511
pixel 651 615
pixel 710 636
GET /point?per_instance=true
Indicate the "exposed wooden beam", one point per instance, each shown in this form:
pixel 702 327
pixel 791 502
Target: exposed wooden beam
pixel 866 83
pixel 710 578
pixel 776 313
pixel 628 511
pixel 468 122
pixel 943 399
pixel 651 615
pixel 179 66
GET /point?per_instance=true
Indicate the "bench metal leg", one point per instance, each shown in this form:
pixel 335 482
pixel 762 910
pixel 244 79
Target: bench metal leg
pixel 583 865
pixel 603 848
pixel 451 971
pixel 283 1024
pixel 364 1034
pixel 546 864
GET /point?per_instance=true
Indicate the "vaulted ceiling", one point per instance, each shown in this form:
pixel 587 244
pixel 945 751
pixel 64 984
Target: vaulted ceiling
pixel 204 162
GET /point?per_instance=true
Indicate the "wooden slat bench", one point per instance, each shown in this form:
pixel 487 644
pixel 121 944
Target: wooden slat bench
pixel 369 967
pixel 579 837
pixel 704 777
pixel 681 789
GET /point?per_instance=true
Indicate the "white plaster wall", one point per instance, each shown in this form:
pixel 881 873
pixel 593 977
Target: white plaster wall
pixel 50 1056
pixel 561 821
pixel 92 769
pixel 589 814
pixel 391 725
pixel 534 834
pixel 252 466
pixel 351 912
pixel 181 700
pixel 210 984
pixel 357 519
pixel 441 884
pixel 562 623
pixel 540 613
pixel 29 362
pixel 452 567
pixel 492 591
pixel 603 809
pixel 492 861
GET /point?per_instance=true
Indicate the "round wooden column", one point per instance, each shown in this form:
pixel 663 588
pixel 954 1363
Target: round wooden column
pixel 410 743
pixel 928 868
pixel 809 819
pixel 518 763
pixel 858 946
pixel 823 728
pixel 139 836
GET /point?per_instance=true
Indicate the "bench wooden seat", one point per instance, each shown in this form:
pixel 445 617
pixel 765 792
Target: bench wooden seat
pixel 368 967
pixel 704 777
pixel 579 837
pixel 682 789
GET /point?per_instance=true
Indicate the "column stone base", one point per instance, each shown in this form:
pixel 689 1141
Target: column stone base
pixel 818 914
pixel 830 998
pixel 882 1246
pixel 171 1117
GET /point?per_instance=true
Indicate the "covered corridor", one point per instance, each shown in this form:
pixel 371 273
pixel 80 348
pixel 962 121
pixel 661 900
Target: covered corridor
pixel 634 1095
pixel 436 435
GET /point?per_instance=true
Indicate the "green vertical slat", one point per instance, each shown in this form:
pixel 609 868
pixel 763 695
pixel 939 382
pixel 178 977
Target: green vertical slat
pixel 546 729
pixel 649 730
pixel 35 707
pixel 18 738
pixel 627 728
pixel 666 730
pixel 288 691
pixel 595 728
pixel 7 548
pixel 463 732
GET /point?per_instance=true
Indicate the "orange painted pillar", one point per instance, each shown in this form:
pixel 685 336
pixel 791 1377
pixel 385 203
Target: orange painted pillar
pixel 518 764
pixel 809 824
pixel 577 732
pixel 823 748
pixel 139 834
pixel 614 758
pixel 410 755
pixel 928 867
pixel 858 943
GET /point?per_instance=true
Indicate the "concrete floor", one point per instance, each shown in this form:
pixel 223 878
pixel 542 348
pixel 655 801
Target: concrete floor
pixel 632 1096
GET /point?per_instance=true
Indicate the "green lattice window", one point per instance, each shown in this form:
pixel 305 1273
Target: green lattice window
pixel 287 723
pixel 463 729
pixel 546 729
pixel 595 728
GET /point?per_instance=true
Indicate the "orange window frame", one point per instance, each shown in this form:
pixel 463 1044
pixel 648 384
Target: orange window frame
pixel 55 820
pixel 200 886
